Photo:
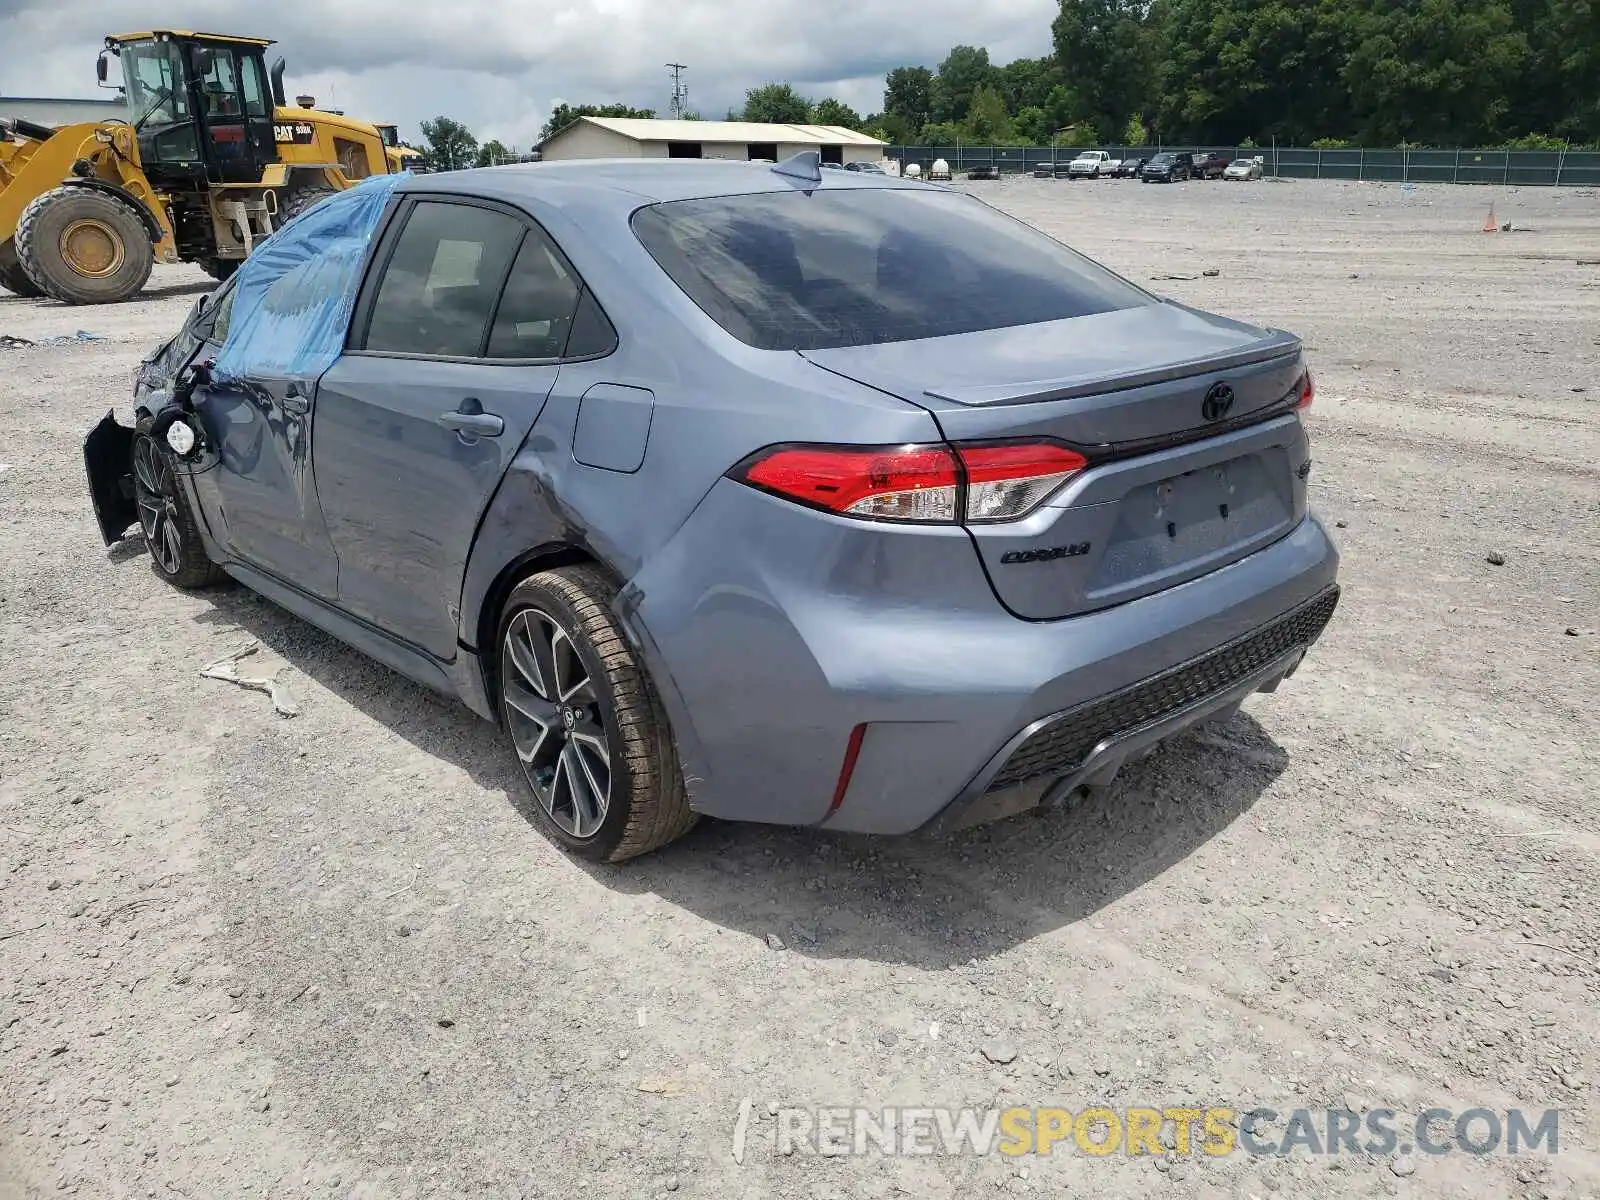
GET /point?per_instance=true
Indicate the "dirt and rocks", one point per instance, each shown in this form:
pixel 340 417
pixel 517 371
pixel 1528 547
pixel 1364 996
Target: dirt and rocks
pixel 248 955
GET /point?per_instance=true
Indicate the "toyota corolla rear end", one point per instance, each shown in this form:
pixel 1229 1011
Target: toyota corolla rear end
pixel 1093 535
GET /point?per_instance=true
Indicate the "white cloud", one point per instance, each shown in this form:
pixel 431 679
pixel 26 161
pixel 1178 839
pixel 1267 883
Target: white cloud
pixel 500 67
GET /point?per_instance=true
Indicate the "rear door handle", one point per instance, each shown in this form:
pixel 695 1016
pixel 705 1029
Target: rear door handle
pixel 295 401
pixel 471 420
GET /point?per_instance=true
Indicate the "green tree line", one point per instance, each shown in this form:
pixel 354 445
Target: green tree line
pixel 1335 72
pixel 1515 73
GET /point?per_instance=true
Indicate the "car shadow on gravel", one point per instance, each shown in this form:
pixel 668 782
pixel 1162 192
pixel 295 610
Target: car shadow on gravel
pixel 936 903
pixel 930 903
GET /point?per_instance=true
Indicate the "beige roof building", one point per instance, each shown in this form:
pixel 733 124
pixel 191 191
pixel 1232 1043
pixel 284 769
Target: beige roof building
pixel 622 137
pixel 53 110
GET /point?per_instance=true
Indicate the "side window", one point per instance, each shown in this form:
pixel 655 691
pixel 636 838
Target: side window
pixel 255 87
pixel 219 82
pixel 592 334
pixel 439 289
pixel 536 309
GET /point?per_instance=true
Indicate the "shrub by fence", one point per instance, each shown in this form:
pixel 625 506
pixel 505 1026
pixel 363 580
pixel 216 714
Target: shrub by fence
pixel 1563 168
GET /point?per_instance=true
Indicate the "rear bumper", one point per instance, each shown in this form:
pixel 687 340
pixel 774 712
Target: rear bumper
pixel 1088 746
pixel 768 662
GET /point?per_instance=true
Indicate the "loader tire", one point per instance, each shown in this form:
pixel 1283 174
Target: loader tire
pixel 302 198
pixel 12 277
pixel 221 269
pixel 84 247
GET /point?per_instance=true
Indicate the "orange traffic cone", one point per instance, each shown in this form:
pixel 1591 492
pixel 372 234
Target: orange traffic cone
pixel 1490 225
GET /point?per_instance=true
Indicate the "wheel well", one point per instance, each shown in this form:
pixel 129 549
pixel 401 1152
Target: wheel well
pixel 543 558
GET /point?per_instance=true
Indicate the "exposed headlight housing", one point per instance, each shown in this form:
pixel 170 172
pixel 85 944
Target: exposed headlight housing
pixel 181 437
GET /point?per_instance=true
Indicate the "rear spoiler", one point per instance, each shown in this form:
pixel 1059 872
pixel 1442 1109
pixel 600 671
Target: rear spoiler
pixel 1278 345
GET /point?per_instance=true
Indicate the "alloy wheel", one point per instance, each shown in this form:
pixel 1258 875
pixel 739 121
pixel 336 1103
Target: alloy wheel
pixel 157 494
pixel 552 711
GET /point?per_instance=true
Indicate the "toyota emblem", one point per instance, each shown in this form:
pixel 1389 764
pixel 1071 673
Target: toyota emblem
pixel 1219 399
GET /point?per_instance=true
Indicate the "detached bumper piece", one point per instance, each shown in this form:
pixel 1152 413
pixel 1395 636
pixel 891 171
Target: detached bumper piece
pixel 108 462
pixel 1087 746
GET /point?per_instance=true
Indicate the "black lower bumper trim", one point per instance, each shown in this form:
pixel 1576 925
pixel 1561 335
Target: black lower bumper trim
pixel 1089 744
pixel 1066 739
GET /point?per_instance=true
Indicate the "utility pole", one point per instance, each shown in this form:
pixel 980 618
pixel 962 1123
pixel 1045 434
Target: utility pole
pixel 680 90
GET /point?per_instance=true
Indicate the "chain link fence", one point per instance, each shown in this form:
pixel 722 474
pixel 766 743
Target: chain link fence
pixel 1523 168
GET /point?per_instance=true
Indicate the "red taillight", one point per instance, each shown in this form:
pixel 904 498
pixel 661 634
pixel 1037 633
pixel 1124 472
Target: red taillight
pixel 917 482
pixel 893 483
pixel 1308 391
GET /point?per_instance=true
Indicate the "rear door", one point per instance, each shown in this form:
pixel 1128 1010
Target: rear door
pixel 453 352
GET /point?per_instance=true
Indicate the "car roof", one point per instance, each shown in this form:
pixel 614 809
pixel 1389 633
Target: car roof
pixel 662 179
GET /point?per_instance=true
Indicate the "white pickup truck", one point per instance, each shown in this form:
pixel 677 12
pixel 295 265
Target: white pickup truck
pixel 1092 164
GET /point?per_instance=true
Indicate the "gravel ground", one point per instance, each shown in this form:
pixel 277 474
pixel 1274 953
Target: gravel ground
pixel 250 956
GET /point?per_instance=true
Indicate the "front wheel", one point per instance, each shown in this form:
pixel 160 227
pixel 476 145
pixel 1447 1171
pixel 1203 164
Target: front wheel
pixel 84 246
pixel 588 730
pixel 171 533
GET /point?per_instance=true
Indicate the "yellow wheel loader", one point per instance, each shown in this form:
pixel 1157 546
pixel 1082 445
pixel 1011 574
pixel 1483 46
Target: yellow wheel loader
pixel 401 157
pixel 209 161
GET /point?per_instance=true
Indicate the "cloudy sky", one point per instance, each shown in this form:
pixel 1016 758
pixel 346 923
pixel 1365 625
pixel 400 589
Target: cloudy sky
pixel 500 67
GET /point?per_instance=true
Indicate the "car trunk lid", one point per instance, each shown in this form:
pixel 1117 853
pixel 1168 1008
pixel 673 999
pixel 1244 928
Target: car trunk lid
pixel 1186 418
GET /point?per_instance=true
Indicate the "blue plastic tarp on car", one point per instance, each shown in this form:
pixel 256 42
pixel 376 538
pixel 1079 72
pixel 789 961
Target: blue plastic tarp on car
pixel 294 294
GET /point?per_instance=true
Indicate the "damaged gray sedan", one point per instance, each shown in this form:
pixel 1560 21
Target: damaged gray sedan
pixel 760 492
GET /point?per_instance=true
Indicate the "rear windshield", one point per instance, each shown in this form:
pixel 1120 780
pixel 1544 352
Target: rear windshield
pixel 858 267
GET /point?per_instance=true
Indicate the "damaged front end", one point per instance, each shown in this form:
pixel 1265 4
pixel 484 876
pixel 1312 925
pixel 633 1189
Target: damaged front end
pixel 162 388
pixel 108 459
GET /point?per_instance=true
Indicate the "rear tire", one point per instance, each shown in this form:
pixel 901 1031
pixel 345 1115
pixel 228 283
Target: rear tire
pixel 12 277
pixel 82 246
pixel 171 533
pixel 307 195
pixel 585 722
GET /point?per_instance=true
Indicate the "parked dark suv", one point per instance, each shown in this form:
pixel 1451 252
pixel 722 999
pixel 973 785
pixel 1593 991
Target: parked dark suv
pixel 1168 167
pixel 1210 164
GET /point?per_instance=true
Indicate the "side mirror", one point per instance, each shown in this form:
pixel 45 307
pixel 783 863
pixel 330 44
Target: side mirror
pixel 100 67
